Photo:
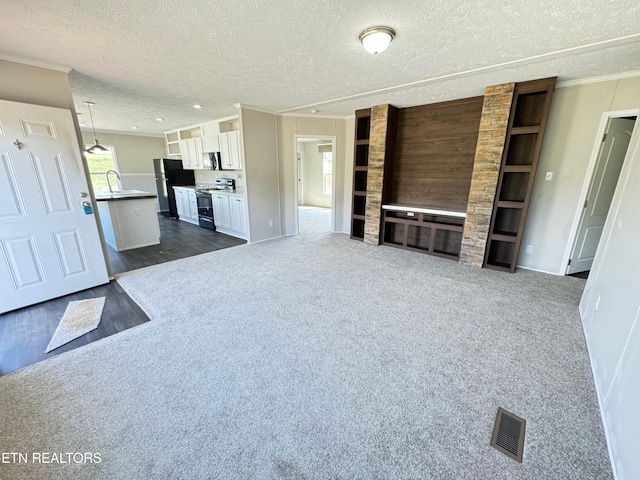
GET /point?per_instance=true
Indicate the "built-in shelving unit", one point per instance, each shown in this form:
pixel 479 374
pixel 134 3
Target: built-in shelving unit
pixel 525 131
pixel 423 230
pixel 360 168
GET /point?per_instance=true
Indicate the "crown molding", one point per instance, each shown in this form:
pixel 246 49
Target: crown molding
pixel 118 132
pixel 314 115
pixel 35 63
pixel 257 109
pixel 601 78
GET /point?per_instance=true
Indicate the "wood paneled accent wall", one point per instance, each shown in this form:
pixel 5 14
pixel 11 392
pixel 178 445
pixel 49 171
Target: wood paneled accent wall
pixel 382 136
pixel 486 169
pixel 434 157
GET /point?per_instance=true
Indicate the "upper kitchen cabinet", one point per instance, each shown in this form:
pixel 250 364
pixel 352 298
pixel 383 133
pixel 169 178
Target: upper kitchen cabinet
pixel 229 138
pixel 210 141
pixel 191 153
pixel 188 144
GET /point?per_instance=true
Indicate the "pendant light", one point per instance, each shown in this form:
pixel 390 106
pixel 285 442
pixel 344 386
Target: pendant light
pixel 96 147
pixel 377 39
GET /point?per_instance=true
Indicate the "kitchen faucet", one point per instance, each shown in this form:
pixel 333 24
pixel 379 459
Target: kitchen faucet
pixel 108 183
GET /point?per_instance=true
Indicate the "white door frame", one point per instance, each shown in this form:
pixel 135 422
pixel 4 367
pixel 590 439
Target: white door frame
pixel 586 185
pixel 333 176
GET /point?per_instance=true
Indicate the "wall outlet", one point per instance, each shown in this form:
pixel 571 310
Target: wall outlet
pixel 136 211
pixel 597 304
pixel 529 249
pixel 548 176
pixel 271 223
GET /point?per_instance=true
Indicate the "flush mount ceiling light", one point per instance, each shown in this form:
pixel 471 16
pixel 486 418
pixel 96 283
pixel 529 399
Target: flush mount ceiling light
pixel 96 147
pixel 377 39
pixel 197 106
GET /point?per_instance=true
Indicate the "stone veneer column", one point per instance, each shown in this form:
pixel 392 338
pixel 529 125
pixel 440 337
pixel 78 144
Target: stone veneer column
pixel 375 173
pixel 486 169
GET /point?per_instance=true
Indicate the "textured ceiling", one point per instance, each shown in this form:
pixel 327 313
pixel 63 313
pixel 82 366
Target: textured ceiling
pixel 139 60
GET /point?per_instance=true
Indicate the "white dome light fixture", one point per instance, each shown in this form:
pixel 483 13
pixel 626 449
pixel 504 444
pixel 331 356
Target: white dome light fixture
pixel 377 39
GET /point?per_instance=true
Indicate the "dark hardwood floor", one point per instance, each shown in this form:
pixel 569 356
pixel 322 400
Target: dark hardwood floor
pixel 584 275
pixel 178 239
pixel 25 333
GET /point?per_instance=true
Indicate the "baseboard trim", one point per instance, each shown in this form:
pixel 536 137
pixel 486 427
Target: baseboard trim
pixel 541 271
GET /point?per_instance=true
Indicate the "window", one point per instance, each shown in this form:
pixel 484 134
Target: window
pixel 327 172
pixel 99 164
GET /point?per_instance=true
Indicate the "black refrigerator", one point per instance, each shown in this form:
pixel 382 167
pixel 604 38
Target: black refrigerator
pixel 169 173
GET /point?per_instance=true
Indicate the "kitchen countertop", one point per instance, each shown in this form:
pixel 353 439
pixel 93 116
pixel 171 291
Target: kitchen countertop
pixel 107 196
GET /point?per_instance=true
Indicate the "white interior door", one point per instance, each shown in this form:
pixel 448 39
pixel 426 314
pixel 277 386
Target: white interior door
pixel 300 178
pixel 603 185
pixel 49 243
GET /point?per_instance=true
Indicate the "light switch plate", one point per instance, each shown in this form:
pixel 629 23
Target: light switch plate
pixel 548 176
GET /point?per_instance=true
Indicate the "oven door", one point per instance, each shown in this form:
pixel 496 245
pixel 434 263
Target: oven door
pixel 205 204
pixel 205 210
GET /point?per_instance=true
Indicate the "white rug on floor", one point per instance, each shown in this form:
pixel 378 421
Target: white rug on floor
pixel 80 317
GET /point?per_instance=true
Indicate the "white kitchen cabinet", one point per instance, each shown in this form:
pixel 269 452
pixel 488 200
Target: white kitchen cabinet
pixel 221 214
pixel 186 204
pixel 237 208
pixel 230 150
pixel 210 140
pixel 230 214
pixel 193 204
pixel 191 151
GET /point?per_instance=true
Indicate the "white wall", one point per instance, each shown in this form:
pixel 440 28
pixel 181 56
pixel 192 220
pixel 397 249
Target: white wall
pixel 315 127
pixel 134 154
pixel 570 137
pixel 260 147
pixel 311 163
pixel 610 311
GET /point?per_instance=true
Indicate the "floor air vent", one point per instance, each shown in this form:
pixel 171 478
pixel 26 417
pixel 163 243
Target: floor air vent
pixel 168 250
pixel 508 434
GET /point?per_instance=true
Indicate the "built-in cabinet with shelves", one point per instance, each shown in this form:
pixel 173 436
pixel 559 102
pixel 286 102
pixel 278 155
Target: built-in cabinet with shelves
pixel 423 230
pixel 525 131
pixel 186 204
pixel 360 168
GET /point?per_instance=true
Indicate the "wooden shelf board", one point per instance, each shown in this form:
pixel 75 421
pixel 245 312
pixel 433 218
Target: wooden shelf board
pixel 360 192
pixel 517 168
pixel 360 169
pixel 525 130
pixel 503 238
pixel 362 142
pixel 503 267
pixel 505 204
pixel 357 217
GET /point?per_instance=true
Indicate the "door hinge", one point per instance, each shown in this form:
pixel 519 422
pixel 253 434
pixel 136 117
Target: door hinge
pixel 604 137
pixel 569 262
pixel 585 203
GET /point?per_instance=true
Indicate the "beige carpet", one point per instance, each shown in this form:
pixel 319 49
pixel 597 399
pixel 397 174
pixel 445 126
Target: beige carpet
pixel 318 358
pixel 80 317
